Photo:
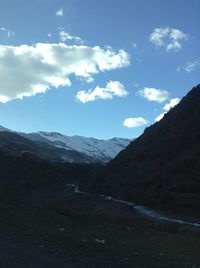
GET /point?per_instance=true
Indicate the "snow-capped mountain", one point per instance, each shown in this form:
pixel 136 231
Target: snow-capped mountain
pixel 11 143
pixel 98 149
pixel 58 147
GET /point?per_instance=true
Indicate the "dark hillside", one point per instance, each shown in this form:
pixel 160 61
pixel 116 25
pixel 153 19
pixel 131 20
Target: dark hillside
pixel 22 176
pixel 162 167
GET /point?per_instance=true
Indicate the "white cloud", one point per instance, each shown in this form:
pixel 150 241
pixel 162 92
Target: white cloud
pixel 175 45
pixel 160 116
pixel 28 70
pixel 113 88
pixel 4 99
pixel 60 12
pixel 169 38
pixel 173 102
pixel 49 35
pixel 153 94
pixel 168 106
pixel 8 32
pixel 135 122
pixel 64 36
pixel 189 66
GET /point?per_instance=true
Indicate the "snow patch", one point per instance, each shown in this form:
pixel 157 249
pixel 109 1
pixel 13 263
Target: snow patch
pixel 102 150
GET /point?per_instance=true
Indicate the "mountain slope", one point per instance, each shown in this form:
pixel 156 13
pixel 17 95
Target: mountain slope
pixel 100 150
pixel 54 146
pixel 162 167
pixel 4 129
pixel 15 145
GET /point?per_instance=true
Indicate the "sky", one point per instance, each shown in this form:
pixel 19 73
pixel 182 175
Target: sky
pixel 100 69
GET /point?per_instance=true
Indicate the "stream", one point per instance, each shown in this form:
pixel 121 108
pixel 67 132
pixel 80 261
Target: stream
pixel 142 209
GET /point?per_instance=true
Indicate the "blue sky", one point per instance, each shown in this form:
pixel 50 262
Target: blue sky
pixel 95 68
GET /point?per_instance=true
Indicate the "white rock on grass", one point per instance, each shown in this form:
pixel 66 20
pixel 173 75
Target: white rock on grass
pixel 103 241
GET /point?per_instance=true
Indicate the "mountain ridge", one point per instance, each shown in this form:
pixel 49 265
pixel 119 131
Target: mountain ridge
pixel 54 146
pixel 99 149
pixel 161 168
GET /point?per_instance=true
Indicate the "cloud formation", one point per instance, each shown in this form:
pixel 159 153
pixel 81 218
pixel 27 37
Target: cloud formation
pixel 168 106
pixel 113 88
pixel 64 36
pixel 28 70
pixel 173 102
pixel 60 12
pixel 160 116
pixel 153 94
pixel 8 32
pixel 132 122
pixel 189 66
pixel 169 38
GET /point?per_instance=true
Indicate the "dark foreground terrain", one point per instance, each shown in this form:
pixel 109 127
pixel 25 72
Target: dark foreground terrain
pixel 44 228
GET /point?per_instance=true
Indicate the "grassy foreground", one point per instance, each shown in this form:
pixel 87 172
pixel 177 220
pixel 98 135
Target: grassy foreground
pixel 67 230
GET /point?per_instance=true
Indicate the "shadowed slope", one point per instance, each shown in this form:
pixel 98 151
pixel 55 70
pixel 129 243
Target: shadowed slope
pixel 162 167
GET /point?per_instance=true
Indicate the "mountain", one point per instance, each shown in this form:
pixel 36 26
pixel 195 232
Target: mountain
pixel 54 146
pixel 100 150
pixel 161 168
pixel 4 129
pixel 23 176
pixel 14 144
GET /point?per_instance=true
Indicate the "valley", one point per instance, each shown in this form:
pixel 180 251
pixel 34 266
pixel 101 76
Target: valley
pixel 99 134
pixel 139 210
